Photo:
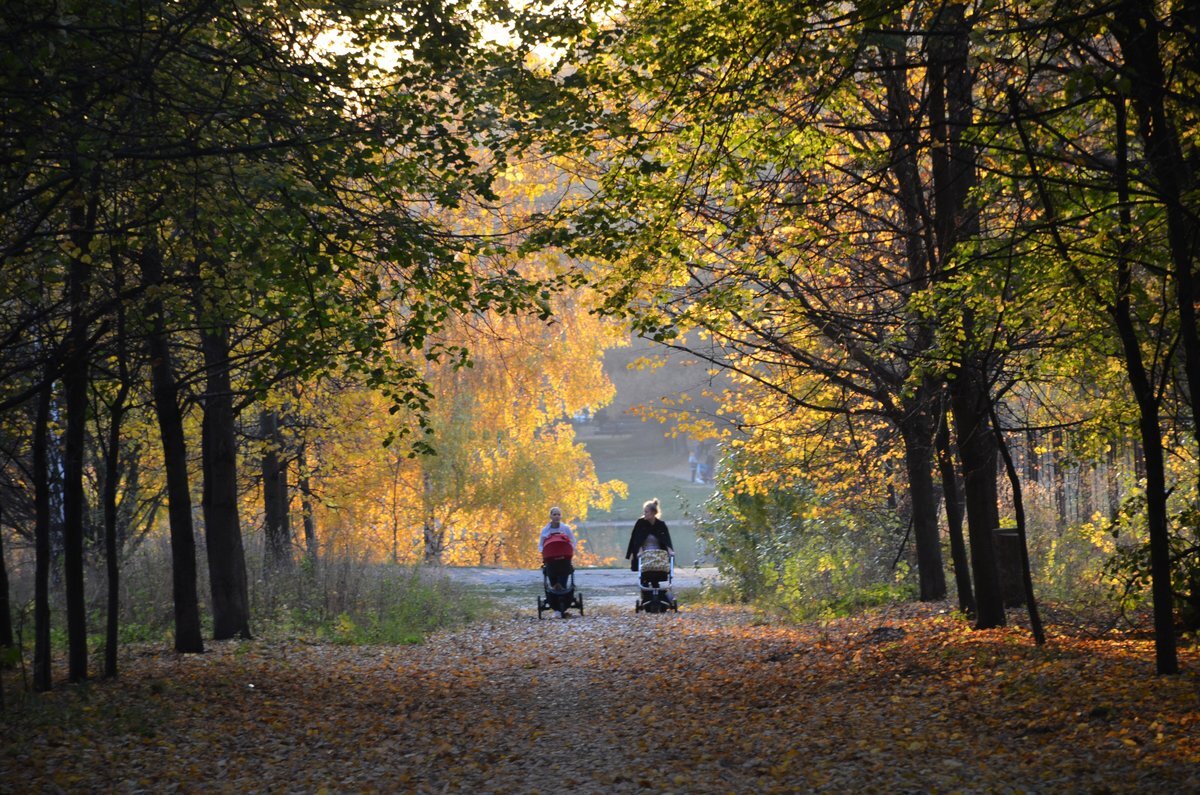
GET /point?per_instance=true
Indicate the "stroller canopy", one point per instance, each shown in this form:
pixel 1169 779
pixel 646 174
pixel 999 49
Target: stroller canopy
pixel 557 547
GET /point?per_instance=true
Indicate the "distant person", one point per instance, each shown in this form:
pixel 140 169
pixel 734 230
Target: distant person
pixel 556 525
pixel 649 532
pixel 693 464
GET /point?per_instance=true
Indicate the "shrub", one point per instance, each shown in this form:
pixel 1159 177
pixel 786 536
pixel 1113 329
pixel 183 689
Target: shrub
pixel 777 551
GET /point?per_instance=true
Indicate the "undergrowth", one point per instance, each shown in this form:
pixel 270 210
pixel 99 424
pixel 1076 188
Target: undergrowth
pixel 343 600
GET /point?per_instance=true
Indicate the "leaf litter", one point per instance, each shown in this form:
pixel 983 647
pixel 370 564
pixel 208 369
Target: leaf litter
pixel 709 700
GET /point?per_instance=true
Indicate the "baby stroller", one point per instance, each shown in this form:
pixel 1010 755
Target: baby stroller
pixel 558 576
pixel 655 566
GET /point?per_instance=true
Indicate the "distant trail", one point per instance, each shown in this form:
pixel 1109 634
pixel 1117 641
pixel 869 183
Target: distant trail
pixel 600 587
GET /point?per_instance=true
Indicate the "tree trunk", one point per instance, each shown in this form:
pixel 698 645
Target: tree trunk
pixel 977 453
pixel 112 476
pixel 42 680
pixel 1032 463
pixel 188 632
pixel 1166 654
pixel 1058 481
pixel 222 526
pixel 1156 496
pixel 434 536
pixel 955 222
pixel 434 540
pixel 950 494
pixel 307 515
pixel 916 428
pixel 915 420
pixel 1175 181
pixel 6 626
pixel 1035 619
pixel 1136 28
pixel 274 476
pixel 75 387
pixel 1112 484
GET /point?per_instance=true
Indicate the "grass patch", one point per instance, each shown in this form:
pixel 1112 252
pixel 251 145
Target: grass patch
pixel 343 600
pixel 377 604
pixel 651 469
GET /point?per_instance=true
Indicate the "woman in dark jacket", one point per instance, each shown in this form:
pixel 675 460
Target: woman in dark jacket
pixel 649 532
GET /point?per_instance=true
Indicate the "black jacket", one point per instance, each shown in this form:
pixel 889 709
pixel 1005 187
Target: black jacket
pixel 641 529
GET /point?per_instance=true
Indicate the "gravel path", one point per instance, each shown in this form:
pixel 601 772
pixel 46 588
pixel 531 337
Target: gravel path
pixel 613 588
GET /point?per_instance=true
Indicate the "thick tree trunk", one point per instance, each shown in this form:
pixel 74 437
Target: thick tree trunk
pixel 954 518
pixel 42 679
pixel 977 454
pixel 1137 29
pixel 915 420
pixel 188 632
pixel 956 221
pixel 275 496
pixel 222 526
pixel 218 455
pixel 916 428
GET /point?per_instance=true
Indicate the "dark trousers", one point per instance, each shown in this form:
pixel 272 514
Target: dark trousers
pixel 558 572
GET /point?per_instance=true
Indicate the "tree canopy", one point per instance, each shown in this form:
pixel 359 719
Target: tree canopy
pixel 339 276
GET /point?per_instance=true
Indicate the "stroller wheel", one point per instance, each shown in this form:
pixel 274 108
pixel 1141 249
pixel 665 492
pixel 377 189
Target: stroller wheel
pixel 637 606
pixel 579 603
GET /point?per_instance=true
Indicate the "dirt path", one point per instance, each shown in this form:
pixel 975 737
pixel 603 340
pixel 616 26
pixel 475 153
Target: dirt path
pixel 709 700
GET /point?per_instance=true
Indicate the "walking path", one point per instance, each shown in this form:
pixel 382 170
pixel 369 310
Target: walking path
pixel 599 587
pixel 707 700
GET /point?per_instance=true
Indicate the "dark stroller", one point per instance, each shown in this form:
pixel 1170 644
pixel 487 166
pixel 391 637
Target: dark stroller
pixel 558 577
pixel 655 566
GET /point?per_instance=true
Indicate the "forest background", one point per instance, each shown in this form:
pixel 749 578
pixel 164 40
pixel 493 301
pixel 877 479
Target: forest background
pixel 296 296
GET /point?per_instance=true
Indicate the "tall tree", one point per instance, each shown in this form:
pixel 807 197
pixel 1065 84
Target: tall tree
pixel 956 226
pixel 1110 240
pixel 787 210
pixel 222 526
pixel 276 497
pixel 188 632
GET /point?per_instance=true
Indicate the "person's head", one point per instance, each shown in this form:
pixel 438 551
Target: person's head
pixel 555 515
pixel 650 509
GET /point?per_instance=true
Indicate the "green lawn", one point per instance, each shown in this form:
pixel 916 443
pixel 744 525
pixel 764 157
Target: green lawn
pixel 651 468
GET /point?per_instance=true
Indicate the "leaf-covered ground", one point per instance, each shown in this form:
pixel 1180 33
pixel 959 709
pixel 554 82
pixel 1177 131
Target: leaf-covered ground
pixel 707 700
